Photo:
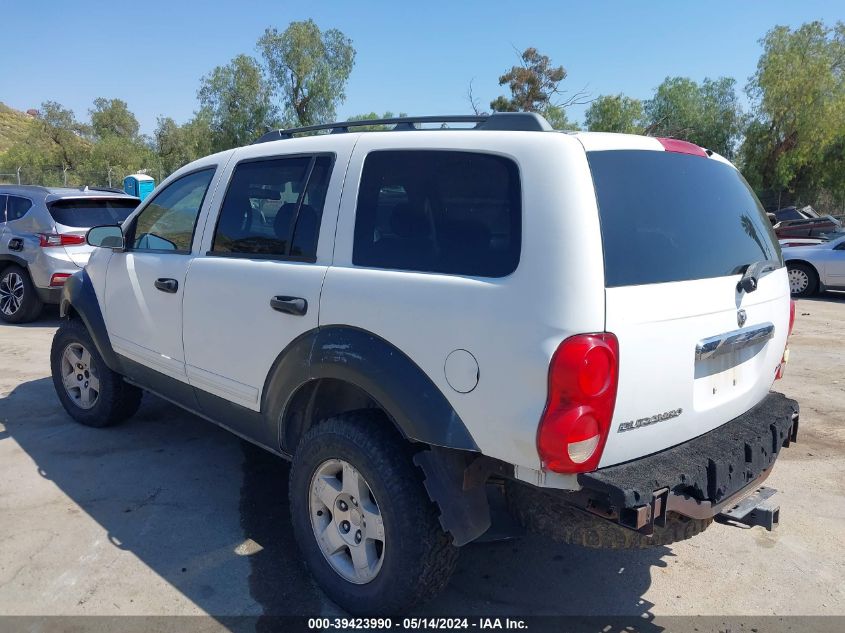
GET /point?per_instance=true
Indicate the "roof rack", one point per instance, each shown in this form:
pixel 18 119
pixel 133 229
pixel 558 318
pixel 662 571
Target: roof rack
pixel 513 121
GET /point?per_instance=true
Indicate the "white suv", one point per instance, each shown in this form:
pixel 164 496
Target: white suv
pixel 589 324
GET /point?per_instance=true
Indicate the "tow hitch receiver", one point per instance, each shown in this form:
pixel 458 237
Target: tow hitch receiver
pixel 758 508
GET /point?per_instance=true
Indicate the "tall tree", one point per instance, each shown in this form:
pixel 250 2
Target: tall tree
pixel 111 117
pixel 309 68
pixel 615 113
pixel 798 91
pixel 177 145
pixel 238 101
pixel 534 86
pixel 708 114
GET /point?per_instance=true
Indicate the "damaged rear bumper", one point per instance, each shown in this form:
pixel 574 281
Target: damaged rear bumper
pixel 718 474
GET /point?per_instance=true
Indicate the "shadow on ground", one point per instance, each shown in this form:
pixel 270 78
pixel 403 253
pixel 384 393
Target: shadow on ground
pixel 184 496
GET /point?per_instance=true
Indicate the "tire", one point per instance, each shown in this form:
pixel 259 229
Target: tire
pixel 19 301
pixel 416 558
pixel 803 279
pixel 112 400
pixel 543 513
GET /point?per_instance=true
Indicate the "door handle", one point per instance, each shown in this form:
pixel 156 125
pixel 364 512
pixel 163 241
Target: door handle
pixel 289 305
pixel 167 285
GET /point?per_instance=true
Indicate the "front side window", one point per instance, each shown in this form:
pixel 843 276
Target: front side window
pixel 16 208
pixel 167 223
pixel 439 211
pixel 273 208
pixel 2 208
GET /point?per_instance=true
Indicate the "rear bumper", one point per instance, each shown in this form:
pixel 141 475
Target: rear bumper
pixel 700 478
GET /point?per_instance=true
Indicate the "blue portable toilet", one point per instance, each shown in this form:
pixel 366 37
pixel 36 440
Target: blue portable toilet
pixel 139 185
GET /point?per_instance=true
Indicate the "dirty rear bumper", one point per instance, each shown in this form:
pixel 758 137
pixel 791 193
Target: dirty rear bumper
pixel 700 478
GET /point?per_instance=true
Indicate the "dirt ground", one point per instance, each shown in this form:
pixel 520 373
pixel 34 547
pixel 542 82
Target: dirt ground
pixel 169 515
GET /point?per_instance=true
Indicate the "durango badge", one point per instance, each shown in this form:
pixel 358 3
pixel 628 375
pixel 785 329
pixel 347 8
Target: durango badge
pixel 660 417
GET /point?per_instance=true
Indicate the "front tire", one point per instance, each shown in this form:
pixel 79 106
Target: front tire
pixel 368 531
pixel 90 392
pixel 19 301
pixel 803 279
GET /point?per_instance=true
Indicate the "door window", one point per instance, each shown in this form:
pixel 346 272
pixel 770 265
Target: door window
pixel 167 223
pixel 439 211
pixel 2 209
pixel 16 208
pixel 273 208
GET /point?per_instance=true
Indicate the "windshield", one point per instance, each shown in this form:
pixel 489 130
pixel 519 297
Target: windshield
pixel 667 216
pixel 88 212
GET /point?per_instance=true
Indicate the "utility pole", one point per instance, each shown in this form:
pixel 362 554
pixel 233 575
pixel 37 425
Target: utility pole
pixel 110 173
pixel 19 175
pixel 64 175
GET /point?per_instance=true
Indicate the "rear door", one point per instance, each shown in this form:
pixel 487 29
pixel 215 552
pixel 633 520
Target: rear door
pixel 257 285
pixel 678 231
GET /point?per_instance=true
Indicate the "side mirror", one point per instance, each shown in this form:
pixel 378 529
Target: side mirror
pixel 106 237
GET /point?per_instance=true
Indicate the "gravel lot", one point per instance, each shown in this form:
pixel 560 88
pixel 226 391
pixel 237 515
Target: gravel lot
pixel 169 515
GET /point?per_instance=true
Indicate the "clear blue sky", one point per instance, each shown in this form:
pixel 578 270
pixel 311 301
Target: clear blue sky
pixel 412 57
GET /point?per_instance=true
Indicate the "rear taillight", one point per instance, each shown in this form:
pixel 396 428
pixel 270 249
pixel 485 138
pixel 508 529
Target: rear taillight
pixel 781 369
pixel 583 376
pixel 46 240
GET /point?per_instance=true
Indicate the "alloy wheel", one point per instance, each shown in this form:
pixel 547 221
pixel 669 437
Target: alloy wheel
pixel 346 521
pixel 79 376
pixel 11 293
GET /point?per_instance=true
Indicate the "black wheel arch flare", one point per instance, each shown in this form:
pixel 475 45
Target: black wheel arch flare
pixel 365 360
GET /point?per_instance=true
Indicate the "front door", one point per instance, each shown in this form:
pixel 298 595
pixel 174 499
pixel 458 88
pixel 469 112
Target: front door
pixel 145 283
pixel 257 287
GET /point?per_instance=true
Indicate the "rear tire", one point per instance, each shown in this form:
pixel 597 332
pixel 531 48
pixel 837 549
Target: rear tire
pixel 19 300
pixel 803 279
pixel 90 392
pixel 415 558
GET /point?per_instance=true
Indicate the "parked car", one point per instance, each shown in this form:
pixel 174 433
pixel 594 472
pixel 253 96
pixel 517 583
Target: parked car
pixel 815 268
pixel 801 241
pixel 418 316
pixel 42 241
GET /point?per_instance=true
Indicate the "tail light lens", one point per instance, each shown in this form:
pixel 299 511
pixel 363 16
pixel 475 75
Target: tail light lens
pixel 781 369
pixel 583 377
pixel 46 240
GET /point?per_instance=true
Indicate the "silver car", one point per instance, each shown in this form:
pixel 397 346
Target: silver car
pixel 42 241
pixel 816 267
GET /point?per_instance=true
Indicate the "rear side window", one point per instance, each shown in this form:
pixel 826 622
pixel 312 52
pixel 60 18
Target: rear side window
pixel 439 211
pixel 91 212
pixel 273 208
pixel 16 208
pixel 667 216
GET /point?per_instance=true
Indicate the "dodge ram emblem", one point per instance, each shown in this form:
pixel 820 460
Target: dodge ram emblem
pixel 741 317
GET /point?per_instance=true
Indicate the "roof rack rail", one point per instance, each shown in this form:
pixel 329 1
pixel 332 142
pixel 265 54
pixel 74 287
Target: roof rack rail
pixel 512 121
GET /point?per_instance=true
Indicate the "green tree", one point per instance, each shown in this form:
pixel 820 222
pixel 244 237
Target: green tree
pixel 615 113
pixel 309 68
pixel 534 85
pixel 708 114
pixel 53 150
pixel 796 143
pixel 177 145
pixel 238 101
pixel 111 117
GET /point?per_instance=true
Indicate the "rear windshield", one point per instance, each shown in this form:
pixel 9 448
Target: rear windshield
pixel 667 216
pixel 87 213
